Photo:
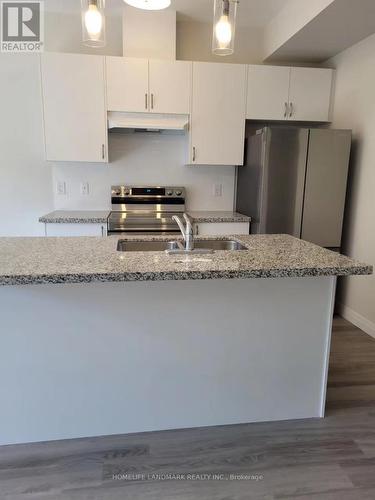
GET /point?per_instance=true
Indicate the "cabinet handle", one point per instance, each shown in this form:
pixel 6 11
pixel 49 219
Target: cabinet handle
pixel 194 153
pixel 146 101
pixel 291 110
pixel 152 101
pixel 103 151
pixel 285 109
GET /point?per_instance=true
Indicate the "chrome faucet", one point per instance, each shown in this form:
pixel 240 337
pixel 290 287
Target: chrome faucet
pixel 187 232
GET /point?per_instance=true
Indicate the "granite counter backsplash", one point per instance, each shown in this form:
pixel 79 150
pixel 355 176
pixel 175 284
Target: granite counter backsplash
pixel 93 259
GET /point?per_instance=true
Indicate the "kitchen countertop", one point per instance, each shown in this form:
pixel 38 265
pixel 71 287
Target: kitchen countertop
pixel 93 259
pixel 76 217
pixel 213 216
pixel 99 217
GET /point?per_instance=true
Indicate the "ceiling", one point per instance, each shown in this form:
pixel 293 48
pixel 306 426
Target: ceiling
pixel 251 13
pixel 339 26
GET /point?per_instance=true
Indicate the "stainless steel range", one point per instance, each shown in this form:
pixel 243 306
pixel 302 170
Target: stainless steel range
pixel 145 210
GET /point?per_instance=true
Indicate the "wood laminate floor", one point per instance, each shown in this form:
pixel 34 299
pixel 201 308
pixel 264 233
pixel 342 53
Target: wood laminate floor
pixel 315 459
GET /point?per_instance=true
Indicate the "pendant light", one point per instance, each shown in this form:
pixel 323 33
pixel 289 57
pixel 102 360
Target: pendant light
pixel 149 4
pixel 225 12
pixel 93 23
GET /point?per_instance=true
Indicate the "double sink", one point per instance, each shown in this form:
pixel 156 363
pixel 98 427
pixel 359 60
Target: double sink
pixel 160 246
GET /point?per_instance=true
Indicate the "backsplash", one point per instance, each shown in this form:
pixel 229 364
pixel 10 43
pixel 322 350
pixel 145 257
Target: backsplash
pixel 144 158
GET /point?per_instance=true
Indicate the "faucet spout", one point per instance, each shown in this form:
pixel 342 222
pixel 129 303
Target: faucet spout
pixel 187 232
pixel 177 219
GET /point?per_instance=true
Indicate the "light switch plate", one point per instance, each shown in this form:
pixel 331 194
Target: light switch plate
pixel 218 190
pixel 85 189
pixel 61 188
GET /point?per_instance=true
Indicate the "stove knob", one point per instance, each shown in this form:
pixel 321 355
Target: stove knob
pixel 116 192
pixel 169 193
pixel 178 193
pixel 126 193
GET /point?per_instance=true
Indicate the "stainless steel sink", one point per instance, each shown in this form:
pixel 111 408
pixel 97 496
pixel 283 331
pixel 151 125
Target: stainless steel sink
pixel 146 246
pixel 175 247
pixel 219 244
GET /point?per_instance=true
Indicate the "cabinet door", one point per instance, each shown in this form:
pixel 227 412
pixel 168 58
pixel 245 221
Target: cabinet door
pixel 222 228
pixel 127 84
pixel 267 92
pixel 74 107
pixel 218 114
pixel 310 94
pixel 66 230
pixel 170 86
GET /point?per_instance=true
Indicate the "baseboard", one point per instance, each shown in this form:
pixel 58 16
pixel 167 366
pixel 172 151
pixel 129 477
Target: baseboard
pixel 357 319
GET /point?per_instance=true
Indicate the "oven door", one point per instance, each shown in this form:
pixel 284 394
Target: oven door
pixel 142 223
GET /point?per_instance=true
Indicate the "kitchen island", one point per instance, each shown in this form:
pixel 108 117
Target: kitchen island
pixel 96 341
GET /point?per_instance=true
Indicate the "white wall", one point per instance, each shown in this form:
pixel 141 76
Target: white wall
pixel 25 178
pixel 139 158
pixel 194 43
pixel 354 107
pixel 194 39
pixel 63 33
pixel 149 34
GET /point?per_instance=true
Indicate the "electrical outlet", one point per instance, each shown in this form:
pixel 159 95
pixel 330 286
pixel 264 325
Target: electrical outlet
pixel 85 189
pixel 218 190
pixel 61 188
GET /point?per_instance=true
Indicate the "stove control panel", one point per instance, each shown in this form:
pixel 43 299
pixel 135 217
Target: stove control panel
pixel 156 192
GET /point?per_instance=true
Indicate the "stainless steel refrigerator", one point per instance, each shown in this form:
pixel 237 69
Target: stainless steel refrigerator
pixel 294 181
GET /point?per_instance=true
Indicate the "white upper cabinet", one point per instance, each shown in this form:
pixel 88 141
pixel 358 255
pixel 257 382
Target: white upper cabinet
pixel 268 92
pixel 218 114
pixel 310 94
pixel 127 84
pixel 74 107
pixel 139 85
pixel 284 93
pixel 170 86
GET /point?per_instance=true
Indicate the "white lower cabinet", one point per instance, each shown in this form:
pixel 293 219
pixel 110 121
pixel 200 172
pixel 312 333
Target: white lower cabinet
pixel 74 229
pixel 221 228
pixel 200 229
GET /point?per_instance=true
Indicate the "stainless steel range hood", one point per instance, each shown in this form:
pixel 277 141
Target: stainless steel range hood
pixel 147 121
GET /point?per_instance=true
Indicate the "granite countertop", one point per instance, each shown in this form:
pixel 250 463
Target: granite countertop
pixel 76 217
pixel 100 216
pixel 213 216
pixel 92 259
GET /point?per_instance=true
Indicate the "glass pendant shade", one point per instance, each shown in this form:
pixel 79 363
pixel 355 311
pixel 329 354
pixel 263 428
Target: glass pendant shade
pixel 225 12
pixel 93 23
pixel 149 4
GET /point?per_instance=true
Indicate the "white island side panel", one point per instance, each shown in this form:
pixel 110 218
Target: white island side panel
pixel 111 358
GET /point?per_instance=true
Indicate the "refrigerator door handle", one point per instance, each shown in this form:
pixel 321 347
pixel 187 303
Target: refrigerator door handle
pixel 285 109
